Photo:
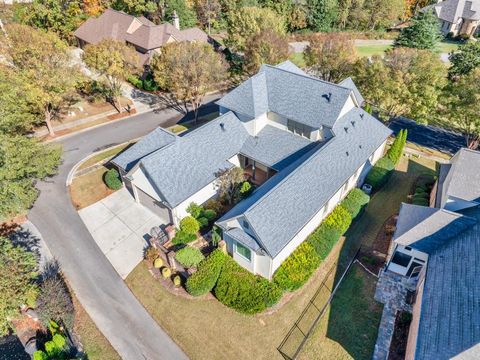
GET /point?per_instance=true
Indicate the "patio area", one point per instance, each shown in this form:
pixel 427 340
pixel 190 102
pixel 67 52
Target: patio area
pixel 256 176
pixel 393 290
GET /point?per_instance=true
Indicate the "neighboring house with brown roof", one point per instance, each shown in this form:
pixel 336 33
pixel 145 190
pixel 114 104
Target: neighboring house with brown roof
pixel 458 17
pixel 144 35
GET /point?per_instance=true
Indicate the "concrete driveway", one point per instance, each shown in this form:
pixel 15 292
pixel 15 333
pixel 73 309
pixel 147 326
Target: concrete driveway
pixel 120 228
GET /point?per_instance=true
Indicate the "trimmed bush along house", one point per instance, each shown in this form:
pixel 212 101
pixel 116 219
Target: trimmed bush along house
pixel 304 143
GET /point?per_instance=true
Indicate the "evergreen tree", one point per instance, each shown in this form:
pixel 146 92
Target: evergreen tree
pixel 323 14
pixel 466 59
pixel 424 33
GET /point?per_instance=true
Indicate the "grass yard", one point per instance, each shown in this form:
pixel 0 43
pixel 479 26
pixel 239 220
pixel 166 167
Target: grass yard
pixel 103 155
pixel 95 345
pixel 371 50
pixel 206 329
pixel 448 46
pixel 350 325
pixel 89 188
pixel 297 59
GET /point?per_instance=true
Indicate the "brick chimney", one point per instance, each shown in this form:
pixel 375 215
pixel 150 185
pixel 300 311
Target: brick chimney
pixel 176 20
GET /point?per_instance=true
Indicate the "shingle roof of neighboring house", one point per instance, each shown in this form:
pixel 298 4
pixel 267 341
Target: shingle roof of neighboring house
pixel 140 31
pixel 288 201
pixel 274 147
pixel 348 83
pixel 193 161
pixel 157 139
pixel 463 177
pixel 426 229
pixel 452 10
pixel 290 94
pixel 450 310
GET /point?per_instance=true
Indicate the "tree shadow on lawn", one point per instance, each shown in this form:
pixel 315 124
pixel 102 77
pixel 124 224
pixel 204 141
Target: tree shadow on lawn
pixel 354 314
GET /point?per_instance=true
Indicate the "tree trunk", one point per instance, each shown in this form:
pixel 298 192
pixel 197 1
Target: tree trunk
pixel 117 104
pixel 48 120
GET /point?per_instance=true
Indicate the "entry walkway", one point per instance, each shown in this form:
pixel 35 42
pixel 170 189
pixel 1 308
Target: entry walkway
pixel 120 227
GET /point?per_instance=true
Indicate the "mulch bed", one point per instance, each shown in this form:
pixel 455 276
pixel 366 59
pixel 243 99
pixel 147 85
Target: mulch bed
pixel 398 346
pixel 374 258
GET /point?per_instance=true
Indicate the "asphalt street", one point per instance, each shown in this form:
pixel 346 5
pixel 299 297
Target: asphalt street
pixel 109 302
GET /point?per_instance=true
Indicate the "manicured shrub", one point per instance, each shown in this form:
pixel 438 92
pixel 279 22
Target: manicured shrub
pixel 339 218
pixel 207 274
pixel 177 281
pixel 380 172
pixel 420 201
pixel 297 268
pixel 135 81
pixel 112 179
pixel 202 221
pixel 355 201
pixel 166 272
pixel 181 237
pixel 150 254
pixel 396 150
pixel 323 239
pixel 189 256
pixel 214 205
pixel 210 214
pixel 158 263
pixel 241 290
pixel 420 192
pixel 195 210
pixel 189 225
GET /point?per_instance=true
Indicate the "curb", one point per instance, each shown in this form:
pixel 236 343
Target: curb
pixel 97 126
pixel 72 171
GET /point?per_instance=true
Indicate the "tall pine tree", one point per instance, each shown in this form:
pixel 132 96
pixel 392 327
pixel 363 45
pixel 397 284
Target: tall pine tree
pixel 424 33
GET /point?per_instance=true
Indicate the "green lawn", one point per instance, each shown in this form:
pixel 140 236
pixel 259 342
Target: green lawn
pixel 371 50
pixel 448 46
pixel 297 59
pixel 350 325
pixel 103 155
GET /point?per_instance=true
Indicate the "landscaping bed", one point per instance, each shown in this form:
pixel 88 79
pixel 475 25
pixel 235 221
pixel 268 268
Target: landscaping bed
pixel 398 346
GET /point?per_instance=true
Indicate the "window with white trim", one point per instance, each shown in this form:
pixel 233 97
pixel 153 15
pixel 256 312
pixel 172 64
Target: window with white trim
pixel 243 251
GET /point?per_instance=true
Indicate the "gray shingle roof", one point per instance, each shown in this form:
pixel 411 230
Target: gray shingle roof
pixel 157 139
pixel 450 309
pixel 191 162
pixel 285 204
pixel 293 95
pixel 463 177
pixel 348 83
pixel 244 238
pixel 452 10
pixel 274 147
pixel 426 229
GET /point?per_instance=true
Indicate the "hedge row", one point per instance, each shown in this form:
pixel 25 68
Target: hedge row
pixel 355 201
pixel 382 170
pixel 241 290
pixel 112 179
pixel 203 281
pixel 302 263
pixel 380 173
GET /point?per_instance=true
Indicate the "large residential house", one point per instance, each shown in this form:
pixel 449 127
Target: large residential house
pixel 144 35
pixel 304 141
pixel 458 17
pixel 440 248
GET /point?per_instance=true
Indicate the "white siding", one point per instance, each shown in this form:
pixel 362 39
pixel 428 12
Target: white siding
pixel 349 105
pixel 412 252
pixel 277 121
pixel 141 181
pixel 235 160
pixel 201 196
pixel 263 265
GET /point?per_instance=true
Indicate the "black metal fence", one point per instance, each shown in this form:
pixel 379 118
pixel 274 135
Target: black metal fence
pixel 298 334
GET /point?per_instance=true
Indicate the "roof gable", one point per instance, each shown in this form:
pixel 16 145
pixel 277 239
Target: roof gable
pixel 427 229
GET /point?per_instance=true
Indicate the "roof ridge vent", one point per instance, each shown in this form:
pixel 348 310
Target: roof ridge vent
pixel 353 123
pixel 222 126
pixel 346 129
pixel 361 115
pixel 347 153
